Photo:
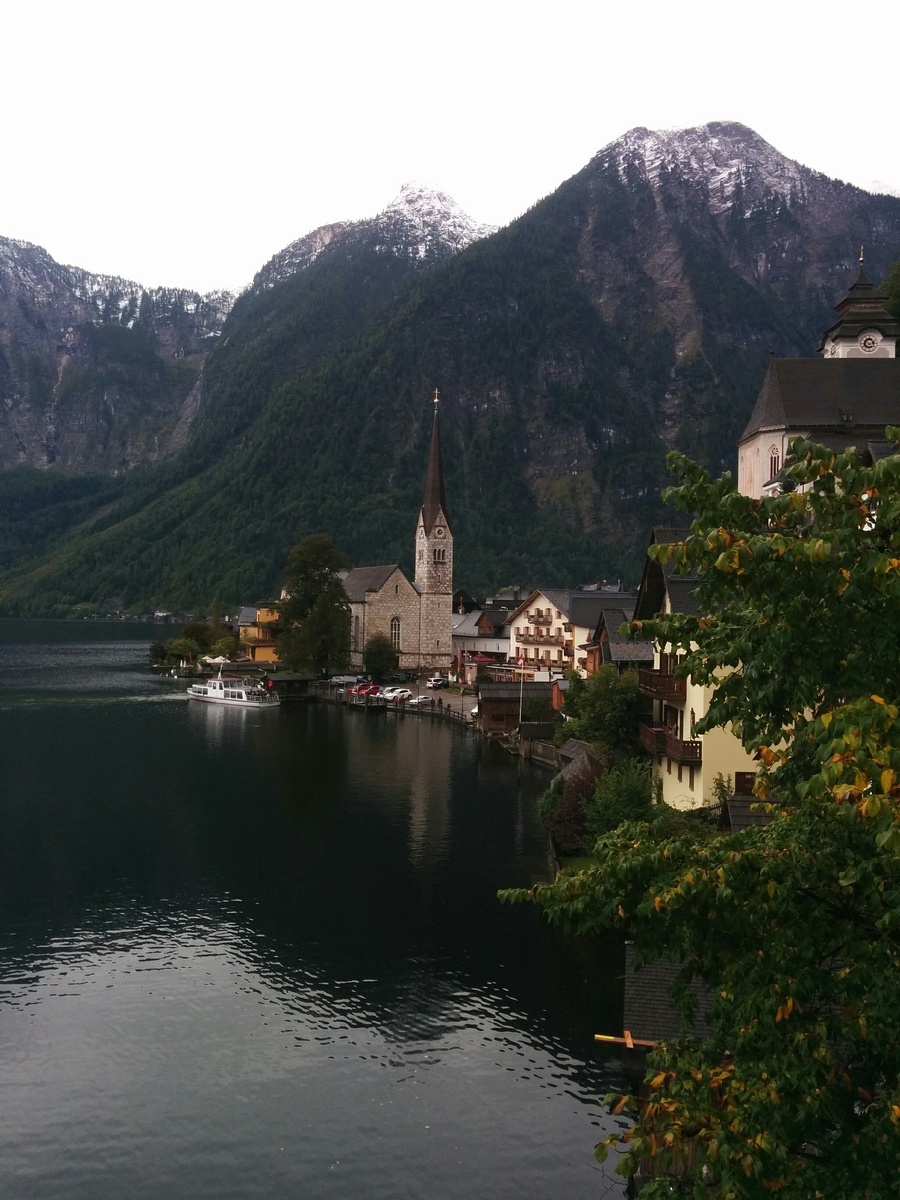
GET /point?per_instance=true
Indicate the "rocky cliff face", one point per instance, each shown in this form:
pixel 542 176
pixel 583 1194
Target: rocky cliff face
pixel 94 370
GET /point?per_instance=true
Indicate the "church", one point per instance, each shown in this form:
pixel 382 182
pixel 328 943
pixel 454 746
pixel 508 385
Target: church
pixel 843 398
pixel 416 615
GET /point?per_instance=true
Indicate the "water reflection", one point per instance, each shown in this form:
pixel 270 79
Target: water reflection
pixel 254 955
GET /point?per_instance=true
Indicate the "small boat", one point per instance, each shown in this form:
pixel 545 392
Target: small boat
pixel 235 693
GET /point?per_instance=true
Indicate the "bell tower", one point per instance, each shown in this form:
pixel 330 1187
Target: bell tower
pixel 434 561
pixel 864 328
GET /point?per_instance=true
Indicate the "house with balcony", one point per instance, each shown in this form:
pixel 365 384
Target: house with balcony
pixel 687 763
pixel 257 631
pixel 551 628
pixel 540 632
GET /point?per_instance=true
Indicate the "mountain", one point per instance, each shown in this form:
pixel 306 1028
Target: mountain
pixel 95 371
pixel 421 223
pixel 631 311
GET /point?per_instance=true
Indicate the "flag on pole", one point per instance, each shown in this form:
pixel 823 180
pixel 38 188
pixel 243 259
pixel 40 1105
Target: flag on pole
pixel 521 660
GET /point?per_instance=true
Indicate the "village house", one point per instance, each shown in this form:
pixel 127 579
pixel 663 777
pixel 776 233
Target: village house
pixel 843 398
pixel 257 631
pixel 687 764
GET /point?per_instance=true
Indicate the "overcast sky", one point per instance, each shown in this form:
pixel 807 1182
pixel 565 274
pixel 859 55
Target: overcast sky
pixel 185 143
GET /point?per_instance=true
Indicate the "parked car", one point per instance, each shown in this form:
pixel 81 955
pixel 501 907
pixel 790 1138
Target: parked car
pixel 397 677
pixel 397 693
pixel 365 689
pixel 417 701
pixel 437 681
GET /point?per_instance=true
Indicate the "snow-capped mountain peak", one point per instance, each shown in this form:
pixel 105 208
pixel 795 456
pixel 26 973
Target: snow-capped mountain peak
pixel 421 222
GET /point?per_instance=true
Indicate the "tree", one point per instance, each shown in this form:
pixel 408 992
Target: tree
pixel 379 656
pixel 316 613
pixel 795 926
pixel 602 710
pixel 891 288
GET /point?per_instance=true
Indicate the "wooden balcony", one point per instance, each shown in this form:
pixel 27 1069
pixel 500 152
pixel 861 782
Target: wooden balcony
pixel 652 682
pixel 540 639
pixel 681 751
pixel 653 740
pixel 660 741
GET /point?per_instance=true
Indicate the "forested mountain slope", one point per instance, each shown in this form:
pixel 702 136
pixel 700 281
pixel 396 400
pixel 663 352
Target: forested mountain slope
pixel 631 311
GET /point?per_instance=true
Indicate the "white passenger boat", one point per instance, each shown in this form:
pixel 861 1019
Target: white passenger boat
pixel 234 693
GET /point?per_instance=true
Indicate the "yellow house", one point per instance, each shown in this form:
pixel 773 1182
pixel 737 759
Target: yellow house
pixel 257 627
pixel 687 763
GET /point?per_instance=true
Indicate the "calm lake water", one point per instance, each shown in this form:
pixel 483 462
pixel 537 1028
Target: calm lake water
pixel 260 954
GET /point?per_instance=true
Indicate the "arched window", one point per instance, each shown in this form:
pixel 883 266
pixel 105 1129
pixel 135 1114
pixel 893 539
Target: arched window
pixel 774 461
pixel 439 554
pixel 395 632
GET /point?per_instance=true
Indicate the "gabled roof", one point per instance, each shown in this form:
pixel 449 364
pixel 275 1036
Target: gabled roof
pixel 658 582
pixel 852 397
pixel 618 648
pixel 466 624
pixel 558 598
pixel 497 616
pixel 361 580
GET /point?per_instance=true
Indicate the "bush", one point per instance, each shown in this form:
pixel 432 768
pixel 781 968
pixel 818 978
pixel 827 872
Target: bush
pixel 624 793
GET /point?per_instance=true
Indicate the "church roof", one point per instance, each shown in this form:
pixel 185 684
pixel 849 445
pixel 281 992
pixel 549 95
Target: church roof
pixel 435 499
pixel 367 579
pixel 806 395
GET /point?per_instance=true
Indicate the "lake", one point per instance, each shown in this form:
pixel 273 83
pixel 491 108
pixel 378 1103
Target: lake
pixel 261 955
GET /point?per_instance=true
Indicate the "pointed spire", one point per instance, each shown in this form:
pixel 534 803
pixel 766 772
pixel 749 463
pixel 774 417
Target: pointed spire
pixel 435 500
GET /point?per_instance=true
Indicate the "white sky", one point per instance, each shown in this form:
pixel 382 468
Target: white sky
pixel 185 143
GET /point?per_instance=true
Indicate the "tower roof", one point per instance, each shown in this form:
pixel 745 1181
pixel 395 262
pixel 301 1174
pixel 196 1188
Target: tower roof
pixel 435 499
pixel 862 308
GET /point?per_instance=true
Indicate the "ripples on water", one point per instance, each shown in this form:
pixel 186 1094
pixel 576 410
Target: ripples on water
pixel 263 957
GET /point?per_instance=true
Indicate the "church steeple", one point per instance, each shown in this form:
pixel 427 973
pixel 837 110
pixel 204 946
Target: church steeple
pixel 435 505
pixel 864 328
pixel 434 557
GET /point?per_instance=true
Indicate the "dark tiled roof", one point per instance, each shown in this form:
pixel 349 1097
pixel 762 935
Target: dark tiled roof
pixel 247 616
pixel 366 579
pixel 812 396
pixel 585 608
pixel 573 748
pixel 510 691
pixel 737 814
pixel 621 649
pixel 681 589
pixel 649 1011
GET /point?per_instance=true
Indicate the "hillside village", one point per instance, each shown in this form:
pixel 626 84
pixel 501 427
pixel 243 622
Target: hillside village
pixel 538 635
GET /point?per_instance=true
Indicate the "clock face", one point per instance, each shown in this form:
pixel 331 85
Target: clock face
pixel 439 531
pixel 868 342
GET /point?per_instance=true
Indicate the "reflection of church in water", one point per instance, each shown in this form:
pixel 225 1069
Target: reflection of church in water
pixel 417 616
